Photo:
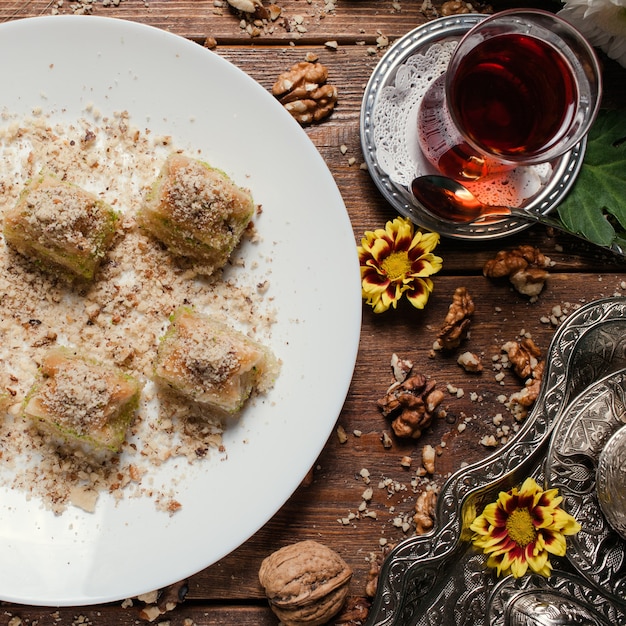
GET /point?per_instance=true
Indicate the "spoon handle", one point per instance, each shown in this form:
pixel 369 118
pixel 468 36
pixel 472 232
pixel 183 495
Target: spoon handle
pixel 513 212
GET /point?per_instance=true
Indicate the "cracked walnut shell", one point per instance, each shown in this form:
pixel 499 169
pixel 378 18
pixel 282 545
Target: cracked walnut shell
pixel 303 91
pixel 306 583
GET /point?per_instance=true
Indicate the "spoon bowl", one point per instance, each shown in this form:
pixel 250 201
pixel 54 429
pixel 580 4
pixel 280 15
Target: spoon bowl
pixel 449 201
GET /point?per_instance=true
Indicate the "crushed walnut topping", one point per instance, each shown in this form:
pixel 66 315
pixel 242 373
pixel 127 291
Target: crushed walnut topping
pixel 65 217
pixel 78 396
pixel 207 357
pixel 119 318
pixel 201 201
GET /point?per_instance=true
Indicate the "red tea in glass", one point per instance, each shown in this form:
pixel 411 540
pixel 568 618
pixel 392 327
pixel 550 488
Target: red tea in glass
pixel 513 94
pixel 522 87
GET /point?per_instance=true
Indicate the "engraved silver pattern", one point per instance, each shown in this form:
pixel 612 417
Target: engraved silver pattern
pixel 438 578
pixel 580 435
pixel 562 599
pixel 611 481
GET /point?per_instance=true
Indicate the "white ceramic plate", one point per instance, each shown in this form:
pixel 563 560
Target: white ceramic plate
pixel 177 87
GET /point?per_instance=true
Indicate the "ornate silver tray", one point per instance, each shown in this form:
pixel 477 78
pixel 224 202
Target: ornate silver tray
pixel 418 41
pixel 439 578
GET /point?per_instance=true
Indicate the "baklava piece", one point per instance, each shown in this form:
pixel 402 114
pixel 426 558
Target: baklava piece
pixel 212 364
pixel 61 227
pixel 197 212
pixel 82 405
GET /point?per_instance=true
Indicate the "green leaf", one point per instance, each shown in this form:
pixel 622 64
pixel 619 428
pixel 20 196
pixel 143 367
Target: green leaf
pixel 600 189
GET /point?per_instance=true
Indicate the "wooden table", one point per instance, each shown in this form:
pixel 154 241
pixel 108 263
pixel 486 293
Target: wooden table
pixel 349 37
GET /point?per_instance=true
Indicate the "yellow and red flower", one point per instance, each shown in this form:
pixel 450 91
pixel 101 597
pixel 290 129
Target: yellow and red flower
pixel 522 528
pixel 397 260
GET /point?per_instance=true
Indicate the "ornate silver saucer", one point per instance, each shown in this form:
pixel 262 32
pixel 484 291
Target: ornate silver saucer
pixel 565 600
pixel 439 578
pixel 611 481
pixel 581 445
pixel 397 72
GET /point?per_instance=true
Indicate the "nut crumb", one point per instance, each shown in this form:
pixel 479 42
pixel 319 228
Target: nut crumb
pixel 489 441
pixel 341 434
pixel 470 362
pixel 428 458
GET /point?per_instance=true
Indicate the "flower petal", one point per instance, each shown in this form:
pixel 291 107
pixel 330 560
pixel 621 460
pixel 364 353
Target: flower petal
pixel 565 522
pixel 426 265
pixel 425 242
pixel 400 231
pixel 494 514
pixel 419 291
pixel 554 542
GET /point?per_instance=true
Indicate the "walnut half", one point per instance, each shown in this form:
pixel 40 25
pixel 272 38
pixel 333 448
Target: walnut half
pixel 306 583
pixel 456 324
pixel 412 403
pixel 525 266
pixel 303 91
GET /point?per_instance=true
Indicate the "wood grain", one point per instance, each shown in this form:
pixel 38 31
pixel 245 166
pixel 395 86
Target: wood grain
pixel 228 592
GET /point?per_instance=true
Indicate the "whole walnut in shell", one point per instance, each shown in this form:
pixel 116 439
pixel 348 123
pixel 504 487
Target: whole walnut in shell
pixel 306 583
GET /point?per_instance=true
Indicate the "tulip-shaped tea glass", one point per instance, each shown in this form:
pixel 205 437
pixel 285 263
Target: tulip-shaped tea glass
pixel 522 88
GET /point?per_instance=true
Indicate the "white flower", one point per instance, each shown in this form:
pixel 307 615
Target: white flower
pixel 602 22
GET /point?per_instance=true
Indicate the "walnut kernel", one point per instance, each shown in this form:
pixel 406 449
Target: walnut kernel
pixel 521 401
pixel 303 91
pixel 424 517
pixel 524 356
pixel 306 583
pixel 456 324
pixel 415 400
pixel 525 266
pixel 455 7
pixel 376 560
pixel 254 7
pixel 354 612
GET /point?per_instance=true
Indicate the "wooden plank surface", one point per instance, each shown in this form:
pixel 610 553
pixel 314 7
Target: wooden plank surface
pixel 326 506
